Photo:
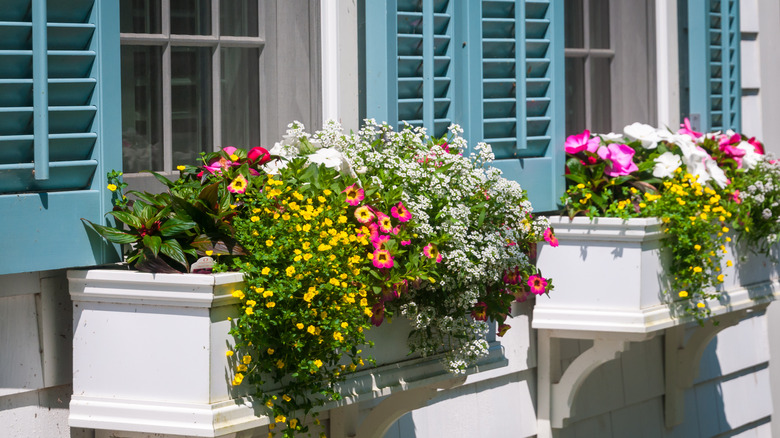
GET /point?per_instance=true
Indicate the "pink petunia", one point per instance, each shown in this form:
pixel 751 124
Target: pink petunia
pixel 230 150
pixel 622 158
pixel 537 284
pixel 685 129
pixel 581 142
pixel 512 276
pixel 355 195
pixel 258 155
pixel 384 222
pixel 502 329
pixel 401 213
pixel 479 312
pixel 550 238
pixel 758 147
pixel 238 185
pixel 383 259
pixel 379 240
pixel 735 197
pixel 378 314
pixel 364 214
pixel 406 242
pixel 432 252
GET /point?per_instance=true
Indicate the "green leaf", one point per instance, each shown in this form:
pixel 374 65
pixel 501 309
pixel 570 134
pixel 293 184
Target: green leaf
pixel 579 179
pixel 172 249
pixel 168 183
pixel 175 226
pixel 153 243
pixel 127 218
pixel 112 234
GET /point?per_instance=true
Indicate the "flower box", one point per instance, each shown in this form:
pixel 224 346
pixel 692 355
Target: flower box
pixel 149 356
pixel 609 276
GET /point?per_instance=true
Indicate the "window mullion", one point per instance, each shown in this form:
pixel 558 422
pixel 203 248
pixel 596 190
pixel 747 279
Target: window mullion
pixel 587 62
pixel 166 89
pixel 216 77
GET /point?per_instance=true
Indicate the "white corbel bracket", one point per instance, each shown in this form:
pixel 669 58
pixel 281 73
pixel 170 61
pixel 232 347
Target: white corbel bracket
pixel 683 355
pixel 556 391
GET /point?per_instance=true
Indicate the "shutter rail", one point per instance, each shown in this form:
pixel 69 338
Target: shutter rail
pixel 40 91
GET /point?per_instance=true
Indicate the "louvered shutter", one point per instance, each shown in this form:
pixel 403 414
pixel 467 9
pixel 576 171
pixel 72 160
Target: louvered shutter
pixel 59 130
pixel 494 67
pixel 714 85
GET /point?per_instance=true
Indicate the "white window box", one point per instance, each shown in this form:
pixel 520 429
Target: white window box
pixel 149 356
pixel 609 276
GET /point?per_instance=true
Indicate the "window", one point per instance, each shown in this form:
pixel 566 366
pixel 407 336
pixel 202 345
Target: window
pixel 495 67
pixel 190 79
pixel 610 82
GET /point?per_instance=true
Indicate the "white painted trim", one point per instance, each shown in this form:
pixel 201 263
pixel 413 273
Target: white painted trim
pixel 330 59
pixel 668 67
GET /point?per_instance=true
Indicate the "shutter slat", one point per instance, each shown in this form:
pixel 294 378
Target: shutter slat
pixel 70 36
pixel 15 64
pixel 70 63
pixel 63 175
pixel 15 36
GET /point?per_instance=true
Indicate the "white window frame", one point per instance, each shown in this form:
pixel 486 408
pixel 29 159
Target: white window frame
pixel 216 42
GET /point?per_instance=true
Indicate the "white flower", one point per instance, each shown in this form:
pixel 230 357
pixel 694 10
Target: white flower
pixel 611 137
pixel 644 133
pixel 751 158
pixel 666 164
pixel 716 173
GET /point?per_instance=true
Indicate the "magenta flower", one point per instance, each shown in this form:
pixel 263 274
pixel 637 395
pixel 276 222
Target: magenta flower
pixel 406 242
pixel 258 155
pixel 757 146
pixel 401 213
pixel 384 221
pixel 621 157
pixel 378 314
pixel 363 214
pixel 383 259
pixel 230 150
pixel 432 252
pixel 537 284
pixel 479 312
pixel 379 240
pixel 550 238
pixel 502 329
pixel 238 185
pixel 578 143
pixel 512 276
pixel 354 195
pixel 685 128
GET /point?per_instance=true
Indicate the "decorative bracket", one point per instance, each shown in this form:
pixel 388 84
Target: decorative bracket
pixel 387 412
pixel 682 358
pixel 557 390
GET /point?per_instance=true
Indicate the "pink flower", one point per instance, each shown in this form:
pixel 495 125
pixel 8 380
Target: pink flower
pixel 379 240
pixel 685 128
pixel 735 197
pixel 621 157
pixel 400 212
pixel 432 252
pixel 238 185
pixel 512 276
pixel 578 143
pixel 383 259
pixel 363 214
pixel 354 195
pixel 757 146
pixel 258 155
pixel 446 147
pixel 385 224
pixel 406 242
pixel 230 150
pixel 502 329
pixel 550 238
pixel 479 312
pixel 537 284
pixel 378 314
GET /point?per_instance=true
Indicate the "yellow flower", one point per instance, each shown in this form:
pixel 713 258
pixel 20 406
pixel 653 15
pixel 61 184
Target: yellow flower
pixel 286 398
pixel 368 312
pixel 246 359
pixel 318 363
pixel 112 187
pixel 209 252
pixel 267 294
pixel 250 311
pixel 697 269
pixel 697 247
pixel 238 294
pixel 293 423
pixel 725 229
pixel 290 271
pixel 181 168
pixel 254 218
pixel 721 278
pixel 700 305
pixel 279 364
pixel 237 379
pixel 729 263
pixel 311 329
pixel 269 242
pixel 270 304
pixel 266 271
pixel 241 367
pixel 683 294
pixel 280 418
pixel 327 192
pixel 270 351
pixel 337 336
pixel 344 325
pixel 251 303
pixel 228 353
pixel 299 325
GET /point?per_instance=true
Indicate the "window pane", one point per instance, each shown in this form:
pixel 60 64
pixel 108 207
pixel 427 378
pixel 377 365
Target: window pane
pixel 139 16
pixel 238 17
pixel 141 109
pixel 601 96
pixel 240 97
pixel 574 19
pixel 599 24
pixel 575 96
pixel 191 17
pixel 191 121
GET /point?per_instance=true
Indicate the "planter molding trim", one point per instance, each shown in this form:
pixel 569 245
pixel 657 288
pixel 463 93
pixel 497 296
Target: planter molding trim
pixel 149 357
pixel 627 305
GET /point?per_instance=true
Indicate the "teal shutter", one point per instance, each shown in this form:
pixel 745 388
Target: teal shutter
pixel 493 67
pixel 713 64
pixel 59 130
